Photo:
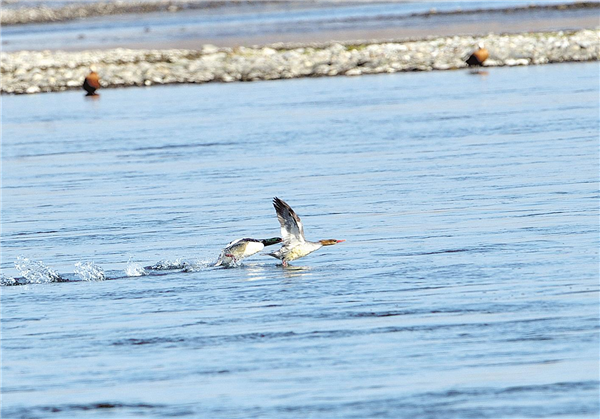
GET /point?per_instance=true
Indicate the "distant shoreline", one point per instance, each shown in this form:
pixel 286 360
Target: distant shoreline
pixel 54 71
pixel 45 14
pixel 374 28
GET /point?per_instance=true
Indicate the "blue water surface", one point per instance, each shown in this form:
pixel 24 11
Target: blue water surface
pixel 467 285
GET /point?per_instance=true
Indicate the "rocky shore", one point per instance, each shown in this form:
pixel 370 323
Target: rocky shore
pixel 51 71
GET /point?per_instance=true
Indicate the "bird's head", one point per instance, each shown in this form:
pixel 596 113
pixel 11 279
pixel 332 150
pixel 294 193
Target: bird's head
pixel 273 240
pixel 330 242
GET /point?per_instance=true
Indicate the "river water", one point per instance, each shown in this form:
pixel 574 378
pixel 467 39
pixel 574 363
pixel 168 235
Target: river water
pixel 467 286
pixel 266 23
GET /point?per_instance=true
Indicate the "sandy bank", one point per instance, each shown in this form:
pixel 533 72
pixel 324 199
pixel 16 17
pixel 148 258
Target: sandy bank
pixel 51 71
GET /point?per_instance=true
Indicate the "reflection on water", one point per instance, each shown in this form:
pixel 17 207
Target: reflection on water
pixel 296 272
pixel 467 285
pixel 479 72
pixel 255 272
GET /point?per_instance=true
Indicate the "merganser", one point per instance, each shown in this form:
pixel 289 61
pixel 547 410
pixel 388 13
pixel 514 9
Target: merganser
pixel 294 244
pixel 478 57
pixel 242 248
pixel 91 83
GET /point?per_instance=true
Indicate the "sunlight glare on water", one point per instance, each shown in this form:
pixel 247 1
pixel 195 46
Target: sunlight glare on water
pixel 467 286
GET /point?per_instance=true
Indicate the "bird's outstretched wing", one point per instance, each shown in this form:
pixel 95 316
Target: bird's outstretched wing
pixel 292 231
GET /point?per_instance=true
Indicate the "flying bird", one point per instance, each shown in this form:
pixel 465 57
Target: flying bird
pixel 478 57
pixel 294 244
pixel 239 249
pixel 91 83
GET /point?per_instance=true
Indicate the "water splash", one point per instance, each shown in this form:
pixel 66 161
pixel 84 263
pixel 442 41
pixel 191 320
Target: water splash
pixel 135 269
pixel 35 272
pixel 167 265
pixel 89 271
pixel 198 265
pixel 7 280
pixel 227 263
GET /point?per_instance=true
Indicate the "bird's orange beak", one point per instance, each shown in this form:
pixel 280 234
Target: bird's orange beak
pixel 339 241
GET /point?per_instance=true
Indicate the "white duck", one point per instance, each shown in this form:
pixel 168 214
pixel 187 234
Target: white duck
pixel 294 244
pixel 239 249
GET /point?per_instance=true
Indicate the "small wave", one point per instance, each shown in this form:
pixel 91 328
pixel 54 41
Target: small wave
pixel 102 406
pixel 89 271
pixel 35 272
pixel 148 341
pixel 135 269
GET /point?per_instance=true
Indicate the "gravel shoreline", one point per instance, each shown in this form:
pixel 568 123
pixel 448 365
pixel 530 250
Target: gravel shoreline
pixel 53 71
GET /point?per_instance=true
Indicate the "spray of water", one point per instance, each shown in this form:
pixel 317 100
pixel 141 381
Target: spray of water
pixel 198 265
pixel 167 265
pixel 89 271
pixel 7 280
pixel 35 272
pixel 135 269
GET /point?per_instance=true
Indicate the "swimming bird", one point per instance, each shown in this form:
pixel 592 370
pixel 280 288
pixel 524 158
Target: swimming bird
pixel 242 248
pixel 91 83
pixel 294 244
pixel 478 57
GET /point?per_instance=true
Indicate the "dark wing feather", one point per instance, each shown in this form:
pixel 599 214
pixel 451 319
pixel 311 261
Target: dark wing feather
pixel 291 227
